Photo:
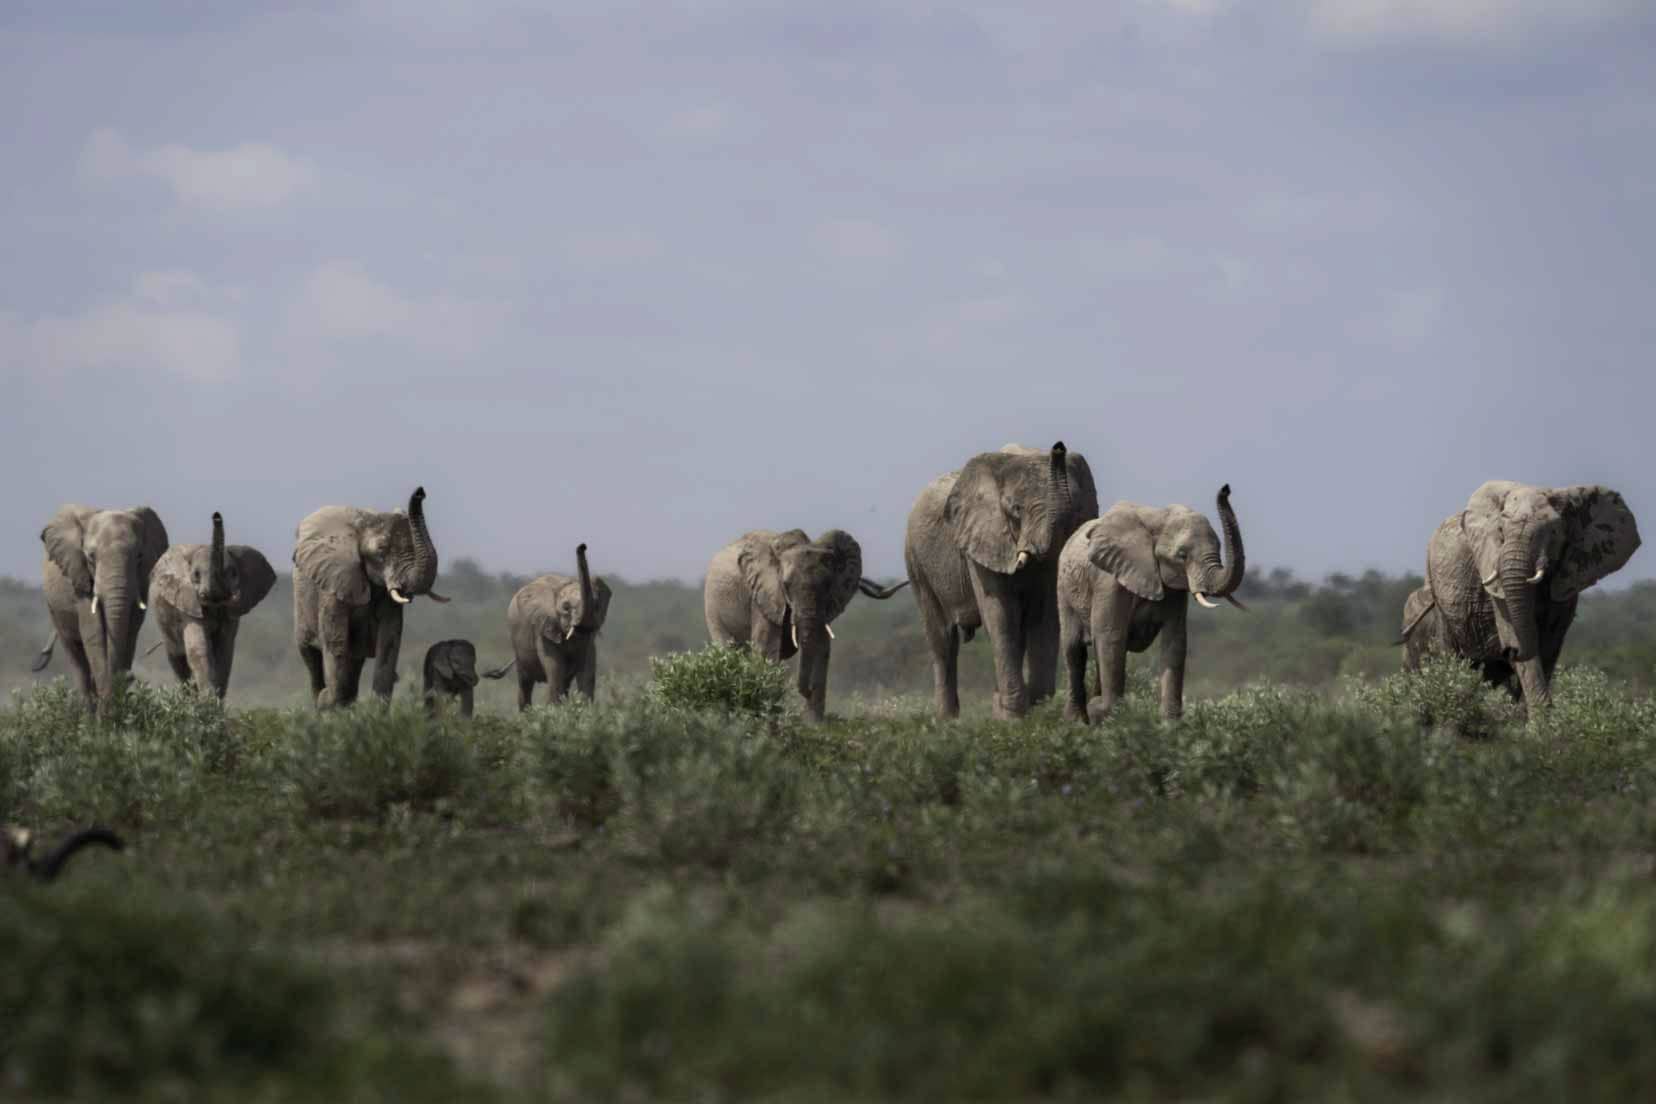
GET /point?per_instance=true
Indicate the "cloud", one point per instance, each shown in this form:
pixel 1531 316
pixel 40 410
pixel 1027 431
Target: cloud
pixel 855 240
pixel 341 302
pixel 1463 22
pixel 611 249
pixel 246 177
pixel 147 331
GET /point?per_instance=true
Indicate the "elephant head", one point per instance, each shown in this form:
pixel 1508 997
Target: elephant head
pixel 107 556
pixel 215 577
pixel 579 606
pixel 453 663
pixel 1522 538
pixel 1153 549
pixel 802 585
pixel 348 552
pixel 1015 506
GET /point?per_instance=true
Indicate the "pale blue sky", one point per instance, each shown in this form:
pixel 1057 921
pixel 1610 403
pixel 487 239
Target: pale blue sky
pixel 649 275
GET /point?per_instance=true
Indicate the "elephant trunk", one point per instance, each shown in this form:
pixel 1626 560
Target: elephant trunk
pixel 812 634
pixel 218 587
pixel 1059 503
pixel 1517 565
pixel 425 553
pixel 589 602
pixel 117 593
pixel 1232 577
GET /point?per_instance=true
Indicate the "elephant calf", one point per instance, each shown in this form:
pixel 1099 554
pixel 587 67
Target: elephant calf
pixel 1503 577
pixel 778 592
pixel 200 593
pixel 1125 579
pixel 450 671
pixel 554 622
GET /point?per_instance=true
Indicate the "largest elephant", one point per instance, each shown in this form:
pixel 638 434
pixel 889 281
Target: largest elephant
pixel 1503 577
pixel 982 550
pixel 778 593
pixel 97 576
pixel 353 572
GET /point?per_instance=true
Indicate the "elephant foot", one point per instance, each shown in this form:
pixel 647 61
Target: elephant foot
pixel 326 698
pixel 1075 711
pixel 1098 709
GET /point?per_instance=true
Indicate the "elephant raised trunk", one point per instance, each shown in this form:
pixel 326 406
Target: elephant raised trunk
pixel 589 605
pixel 425 553
pixel 1059 503
pixel 1232 578
pixel 218 586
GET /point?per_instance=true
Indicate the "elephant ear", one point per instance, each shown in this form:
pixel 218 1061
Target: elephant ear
pixel 64 537
pixel 975 515
pixel 327 555
pixel 1122 545
pixel 1601 536
pixel 170 582
pixel 762 571
pixel 601 599
pixel 442 661
pixel 154 543
pixel 1083 491
pixel 255 575
pixel 845 558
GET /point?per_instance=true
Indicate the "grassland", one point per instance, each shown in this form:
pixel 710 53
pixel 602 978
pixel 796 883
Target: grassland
pixel 1294 894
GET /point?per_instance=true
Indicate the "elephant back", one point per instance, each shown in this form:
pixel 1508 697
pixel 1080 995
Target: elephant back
pixel 326 554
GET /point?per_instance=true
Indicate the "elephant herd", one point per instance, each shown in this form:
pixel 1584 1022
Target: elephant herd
pixel 1012 543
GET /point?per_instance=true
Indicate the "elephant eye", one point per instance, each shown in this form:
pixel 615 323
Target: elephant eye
pixel 195 576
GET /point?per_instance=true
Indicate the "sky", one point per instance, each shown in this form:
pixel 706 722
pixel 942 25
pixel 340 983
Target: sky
pixel 649 275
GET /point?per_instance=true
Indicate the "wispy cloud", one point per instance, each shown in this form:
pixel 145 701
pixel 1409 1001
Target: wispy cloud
pixel 1466 22
pixel 340 301
pixel 249 176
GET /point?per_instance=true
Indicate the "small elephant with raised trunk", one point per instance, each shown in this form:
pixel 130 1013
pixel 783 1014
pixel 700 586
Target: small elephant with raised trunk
pixel 554 621
pixel 199 594
pixel 779 592
pixel 1125 579
pixel 1504 575
pixel 450 671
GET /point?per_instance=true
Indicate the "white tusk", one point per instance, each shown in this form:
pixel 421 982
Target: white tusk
pixel 1203 599
pixel 141 604
pixel 830 629
pixel 396 596
pixel 1023 561
pixel 1489 582
pixel 570 633
pixel 94 603
pixel 1536 578
pixel 794 629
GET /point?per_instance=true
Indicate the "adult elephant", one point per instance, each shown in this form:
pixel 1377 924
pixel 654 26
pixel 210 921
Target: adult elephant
pixel 200 593
pixel 97 576
pixel 982 549
pixel 1126 578
pixel 353 572
pixel 554 622
pixel 1503 577
pixel 779 592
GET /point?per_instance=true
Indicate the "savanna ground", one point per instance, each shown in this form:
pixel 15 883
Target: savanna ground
pixel 1299 892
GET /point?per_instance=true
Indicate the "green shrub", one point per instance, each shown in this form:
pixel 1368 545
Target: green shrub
pixel 731 680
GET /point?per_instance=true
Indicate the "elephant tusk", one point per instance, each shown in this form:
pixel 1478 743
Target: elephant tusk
pixel 1023 561
pixel 830 629
pixel 570 634
pixel 397 597
pixel 141 604
pixel 794 630
pixel 1203 599
pixel 1536 578
pixel 94 603
pixel 1489 582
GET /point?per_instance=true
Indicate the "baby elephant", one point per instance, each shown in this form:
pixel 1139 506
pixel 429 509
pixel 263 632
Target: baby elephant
pixel 1127 576
pixel 198 594
pixel 451 671
pixel 554 622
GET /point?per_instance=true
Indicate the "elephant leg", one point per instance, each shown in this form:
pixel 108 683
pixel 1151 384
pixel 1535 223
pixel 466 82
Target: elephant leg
pixel 587 674
pixel 350 679
pixel 556 667
pixel 313 667
pixel 334 636
pixel 388 627
pixel 466 702
pixel 1112 617
pixel 1555 623
pixel 1074 647
pixel 224 652
pixel 1174 649
pixel 82 664
pixel 943 639
pixel 526 685
pixel 1040 632
pixel 198 650
pixel 1005 628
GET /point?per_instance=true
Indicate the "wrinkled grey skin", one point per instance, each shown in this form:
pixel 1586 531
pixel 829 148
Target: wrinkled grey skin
pixel 97 577
pixel 450 671
pixel 554 622
pixel 1126 578
pixel 982 549
pixel 350 568
pixel 199 593
pixel 778 593
pixel 1503 577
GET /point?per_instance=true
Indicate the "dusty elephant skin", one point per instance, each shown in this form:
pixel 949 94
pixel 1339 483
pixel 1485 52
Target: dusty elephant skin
pixel 199 593
pixel 982 549
pixel 1126 578
pixel 554 622
pixel 1504 575
pixel 97 578
pixel 353 572
pixel 779 592
pixel 450 670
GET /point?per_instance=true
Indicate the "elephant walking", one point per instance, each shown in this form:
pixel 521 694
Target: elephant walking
pixel 97 577
pixel 1126 578
pixel 200 593
pixel 554 622
pixel 450 671
pixel 779 592
pixel 1504 575
pixel 353 572
pixel 982 550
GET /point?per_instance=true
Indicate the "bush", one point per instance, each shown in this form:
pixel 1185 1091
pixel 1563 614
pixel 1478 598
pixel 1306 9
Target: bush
pixel 731 680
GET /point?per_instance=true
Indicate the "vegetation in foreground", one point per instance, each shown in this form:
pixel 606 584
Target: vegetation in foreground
pixel 685 894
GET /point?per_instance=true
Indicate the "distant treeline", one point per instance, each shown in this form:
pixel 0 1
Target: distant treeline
pixel 1295 632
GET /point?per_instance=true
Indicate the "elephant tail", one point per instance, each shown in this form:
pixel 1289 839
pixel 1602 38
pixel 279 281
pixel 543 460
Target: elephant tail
pixel 1414 622
pixel 45 656
pixel 49 867
pixel 875 590
pixel 499 672
pixel 151 649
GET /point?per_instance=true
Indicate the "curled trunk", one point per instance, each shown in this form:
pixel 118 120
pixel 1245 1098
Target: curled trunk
pixel 589 602
pixel 1232 575
pixel 218 587
pixel 425 553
